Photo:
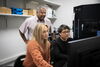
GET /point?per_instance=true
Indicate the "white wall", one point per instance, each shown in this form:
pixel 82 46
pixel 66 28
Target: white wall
pixel 11 44
pixel 65 13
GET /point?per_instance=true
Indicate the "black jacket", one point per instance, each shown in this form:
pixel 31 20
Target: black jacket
pixel 59 52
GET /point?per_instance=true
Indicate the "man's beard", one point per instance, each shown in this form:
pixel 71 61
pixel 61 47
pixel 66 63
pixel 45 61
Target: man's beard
pixel 42 18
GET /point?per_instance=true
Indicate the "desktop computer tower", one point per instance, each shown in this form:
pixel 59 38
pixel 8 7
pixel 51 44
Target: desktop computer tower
pixel 86 21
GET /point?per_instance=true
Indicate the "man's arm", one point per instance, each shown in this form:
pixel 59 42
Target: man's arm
pixel 23 37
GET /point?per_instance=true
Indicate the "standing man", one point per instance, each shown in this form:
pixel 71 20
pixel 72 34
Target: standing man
pixel 29 24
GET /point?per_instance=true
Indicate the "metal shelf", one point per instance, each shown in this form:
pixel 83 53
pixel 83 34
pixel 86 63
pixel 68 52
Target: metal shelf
pixel 15 15
pixel 48 2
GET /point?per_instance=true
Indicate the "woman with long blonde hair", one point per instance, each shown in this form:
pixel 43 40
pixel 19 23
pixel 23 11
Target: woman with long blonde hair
pixel 38 49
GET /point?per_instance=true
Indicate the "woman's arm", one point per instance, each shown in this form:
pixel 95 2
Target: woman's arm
pixel 37 57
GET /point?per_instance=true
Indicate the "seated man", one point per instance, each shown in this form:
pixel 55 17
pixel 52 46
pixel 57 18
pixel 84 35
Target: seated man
pixel 59 47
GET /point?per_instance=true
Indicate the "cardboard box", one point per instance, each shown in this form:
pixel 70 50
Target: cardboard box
pixel 5 10
pixel 32 12
pixel 25 12
pixel 8 11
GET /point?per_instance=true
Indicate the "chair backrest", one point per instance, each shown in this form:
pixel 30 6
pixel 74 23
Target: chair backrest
pixel 19 61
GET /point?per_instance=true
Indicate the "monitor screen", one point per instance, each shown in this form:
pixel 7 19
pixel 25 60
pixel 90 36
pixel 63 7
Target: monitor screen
pixel 84 52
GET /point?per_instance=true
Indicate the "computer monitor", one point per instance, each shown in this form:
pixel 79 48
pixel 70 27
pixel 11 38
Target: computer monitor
pixel 84 52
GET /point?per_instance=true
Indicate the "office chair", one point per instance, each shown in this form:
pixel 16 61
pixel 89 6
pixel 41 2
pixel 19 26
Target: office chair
pixel 19 61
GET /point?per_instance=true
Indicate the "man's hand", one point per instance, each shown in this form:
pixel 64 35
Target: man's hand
pixel 26 41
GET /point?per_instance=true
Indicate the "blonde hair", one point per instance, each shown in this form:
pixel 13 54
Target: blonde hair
pixel 37 35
